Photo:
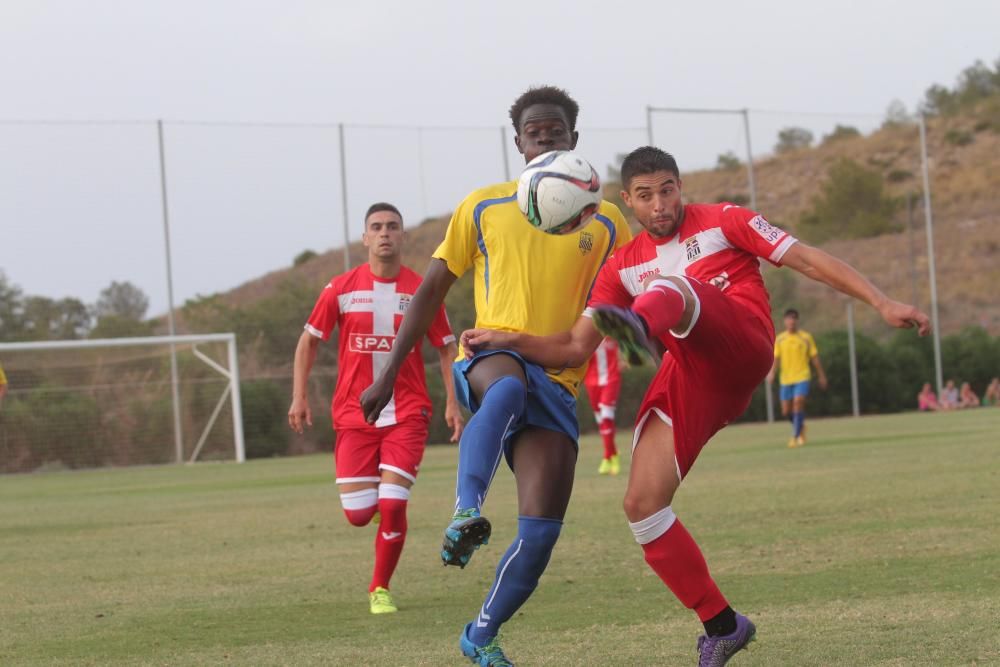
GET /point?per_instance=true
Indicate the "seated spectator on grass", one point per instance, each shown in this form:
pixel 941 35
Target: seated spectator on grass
pixel 926 400
pixel 967 398
pixel 991 397
pixel 949 396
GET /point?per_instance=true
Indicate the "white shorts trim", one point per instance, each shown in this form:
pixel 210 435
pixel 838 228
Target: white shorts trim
pixel 398 471
pixel 353 480
pixel 666 420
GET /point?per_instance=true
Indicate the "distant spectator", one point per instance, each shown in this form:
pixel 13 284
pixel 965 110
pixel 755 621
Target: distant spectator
pixel 967 398
pixel 991 397
pixel 949 396
pixel 3 385
pixel 927 400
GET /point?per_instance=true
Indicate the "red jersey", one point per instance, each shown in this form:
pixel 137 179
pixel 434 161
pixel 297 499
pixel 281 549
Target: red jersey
pixel 717 244
pixel 369 310
pixel 603 369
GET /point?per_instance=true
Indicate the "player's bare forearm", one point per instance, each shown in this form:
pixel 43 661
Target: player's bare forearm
pixel 299 413
pixel 305 357
pixel 567 349
pixel 418 319
pixel 421 312
pixel 841 276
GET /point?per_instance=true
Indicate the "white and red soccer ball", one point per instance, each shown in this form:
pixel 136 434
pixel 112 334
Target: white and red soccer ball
pixel 559 192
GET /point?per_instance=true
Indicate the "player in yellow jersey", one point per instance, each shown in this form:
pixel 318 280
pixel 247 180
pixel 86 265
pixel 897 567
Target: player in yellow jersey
pixel 794 349
pixel 3 385
pixel 525 281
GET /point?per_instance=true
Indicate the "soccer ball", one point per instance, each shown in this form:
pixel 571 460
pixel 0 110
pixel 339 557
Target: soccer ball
pixel 559 192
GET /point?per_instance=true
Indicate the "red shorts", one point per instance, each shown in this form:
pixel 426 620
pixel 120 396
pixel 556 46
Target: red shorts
pixel 360 454
pixel 603 394
pixel 708 376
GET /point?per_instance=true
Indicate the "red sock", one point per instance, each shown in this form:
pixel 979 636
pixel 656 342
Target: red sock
pixel 607 430
pixel 388 540
pixel 661 307
pixel 677 560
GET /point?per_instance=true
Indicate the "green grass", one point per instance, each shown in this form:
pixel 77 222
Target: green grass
pixel 877 544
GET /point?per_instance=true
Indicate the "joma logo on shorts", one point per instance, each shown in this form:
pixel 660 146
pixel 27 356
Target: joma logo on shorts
pixel 368 343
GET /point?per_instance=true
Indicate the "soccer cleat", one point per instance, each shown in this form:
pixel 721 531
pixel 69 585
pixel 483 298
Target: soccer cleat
pixel 800 441
pixel 605 467
pixel 716 651
pixel 380 601
pixel 616 466
pixel 468 531
pixel 628 330
pixel 490 655
pixel 792 443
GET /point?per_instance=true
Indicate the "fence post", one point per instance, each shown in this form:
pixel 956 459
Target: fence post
pixel 938 374
pixel 343 198
pixel 853 357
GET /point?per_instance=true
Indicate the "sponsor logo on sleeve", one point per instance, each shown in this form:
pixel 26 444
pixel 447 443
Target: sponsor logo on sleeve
pixel 767 231
pixel 369 343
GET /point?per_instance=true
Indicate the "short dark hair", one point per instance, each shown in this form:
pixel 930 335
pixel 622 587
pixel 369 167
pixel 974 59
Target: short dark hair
pixel 647 160
pixel 791 312
pixel 381 206
pixel 544 95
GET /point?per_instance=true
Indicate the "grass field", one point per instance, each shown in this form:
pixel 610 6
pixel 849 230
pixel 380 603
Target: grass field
pixel 877 544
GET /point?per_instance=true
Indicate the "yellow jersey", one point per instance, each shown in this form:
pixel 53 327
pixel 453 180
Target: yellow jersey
pixel 794 351
pixel 528 281
pixel 3 378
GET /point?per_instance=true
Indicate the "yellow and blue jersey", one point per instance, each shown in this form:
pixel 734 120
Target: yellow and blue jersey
pixel 794 351
pixel 3 378
pixel 526 280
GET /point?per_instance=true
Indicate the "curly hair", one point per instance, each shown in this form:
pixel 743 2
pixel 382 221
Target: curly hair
pixel 544 95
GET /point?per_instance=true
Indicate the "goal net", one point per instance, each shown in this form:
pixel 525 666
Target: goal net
pixel 119 402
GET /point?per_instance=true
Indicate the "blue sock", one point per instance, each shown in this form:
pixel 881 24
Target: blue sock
pixel 517 575
pixel 481 446
pixel 798 419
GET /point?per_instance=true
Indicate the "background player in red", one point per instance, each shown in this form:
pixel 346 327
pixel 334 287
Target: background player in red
pixel 603 382
pixel 376 464
pixel 692 282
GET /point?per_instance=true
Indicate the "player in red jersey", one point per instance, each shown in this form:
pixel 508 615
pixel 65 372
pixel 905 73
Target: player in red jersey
pixel 603 382
pixel 376 464
pixel 691 283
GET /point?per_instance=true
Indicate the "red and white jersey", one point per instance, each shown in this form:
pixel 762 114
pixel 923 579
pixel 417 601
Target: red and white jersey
pixel 603 368
pixel 717 244
pixel 369 310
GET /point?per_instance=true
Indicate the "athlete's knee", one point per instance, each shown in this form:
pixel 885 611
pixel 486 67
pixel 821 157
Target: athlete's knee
pixel 639 504
pixel 653 525
pixel 360 506
pixel 508 393
pixel 392 502
pixel 538 536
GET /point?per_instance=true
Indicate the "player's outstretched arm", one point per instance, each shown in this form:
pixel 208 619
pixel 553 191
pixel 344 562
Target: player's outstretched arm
pixel 299 414
pixel 419 316
pixel 452 411
pixel 566 349
pixel 841 276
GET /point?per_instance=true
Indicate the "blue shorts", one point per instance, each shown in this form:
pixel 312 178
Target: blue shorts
pixel 549 406
pixel 789 391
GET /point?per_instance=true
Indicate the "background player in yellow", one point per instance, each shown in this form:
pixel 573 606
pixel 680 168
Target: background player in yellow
pixel 794 349
pixel 525 281
pixel 3 385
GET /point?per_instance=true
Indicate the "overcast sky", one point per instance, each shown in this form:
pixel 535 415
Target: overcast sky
pixel 80 203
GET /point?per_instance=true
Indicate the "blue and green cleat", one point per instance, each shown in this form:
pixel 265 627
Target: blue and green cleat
pixel 628 330
pixel 468 531
pixel 490 655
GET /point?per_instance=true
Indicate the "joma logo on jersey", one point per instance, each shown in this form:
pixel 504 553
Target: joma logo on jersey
pixel 586 242
pixel 361 299
pixel 692 248
pixel 646 274
pixel 767 231
pixel 368 343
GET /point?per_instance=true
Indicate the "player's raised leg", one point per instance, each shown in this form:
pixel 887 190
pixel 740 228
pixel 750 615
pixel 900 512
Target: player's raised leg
pixel 544 463
pixel 497 392
pixel 668 547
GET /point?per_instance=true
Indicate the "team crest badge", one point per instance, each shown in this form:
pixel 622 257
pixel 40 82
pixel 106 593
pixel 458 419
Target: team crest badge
pixel 692 248
pixel 404 302
pixel 586 242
